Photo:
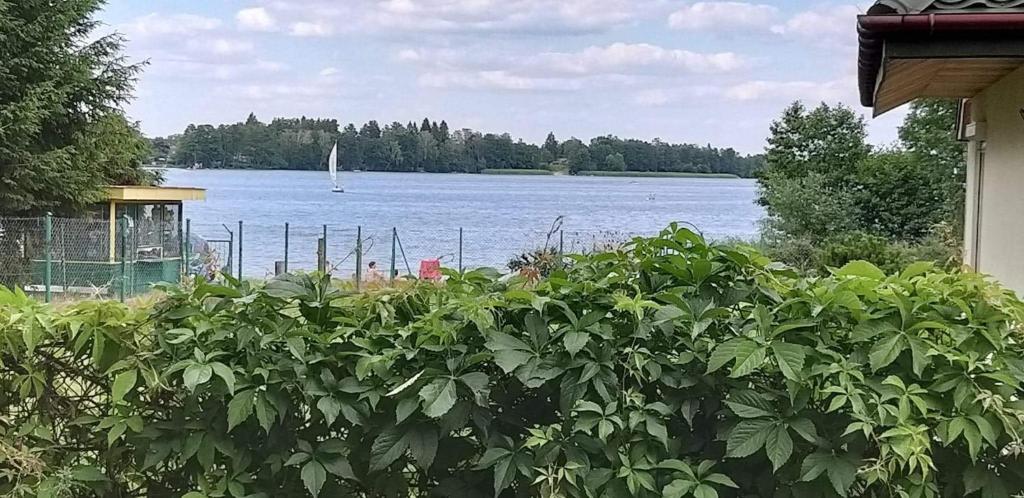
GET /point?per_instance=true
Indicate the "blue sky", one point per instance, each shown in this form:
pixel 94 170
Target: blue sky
pixel 684 71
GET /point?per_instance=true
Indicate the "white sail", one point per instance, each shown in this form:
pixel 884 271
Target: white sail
pixel 332 164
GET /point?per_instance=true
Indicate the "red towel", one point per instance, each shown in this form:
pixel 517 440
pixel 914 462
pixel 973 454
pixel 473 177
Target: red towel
pixel 430 269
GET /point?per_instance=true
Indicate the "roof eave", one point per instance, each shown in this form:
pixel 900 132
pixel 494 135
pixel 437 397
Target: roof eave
pixel 874 30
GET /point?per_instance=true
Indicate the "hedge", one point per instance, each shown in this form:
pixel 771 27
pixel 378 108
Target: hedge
pixel 672 368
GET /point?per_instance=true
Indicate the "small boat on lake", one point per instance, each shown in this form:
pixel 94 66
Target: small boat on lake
pixel 332 165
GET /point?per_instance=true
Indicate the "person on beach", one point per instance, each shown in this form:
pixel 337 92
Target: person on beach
pixel 372 273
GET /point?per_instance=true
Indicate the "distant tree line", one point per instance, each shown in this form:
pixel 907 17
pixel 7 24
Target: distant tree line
pixel 304 144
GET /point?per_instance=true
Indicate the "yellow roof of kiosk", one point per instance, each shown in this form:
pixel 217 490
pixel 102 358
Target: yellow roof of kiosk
pixel 144 194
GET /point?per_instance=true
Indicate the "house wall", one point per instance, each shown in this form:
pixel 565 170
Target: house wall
pixel 995 201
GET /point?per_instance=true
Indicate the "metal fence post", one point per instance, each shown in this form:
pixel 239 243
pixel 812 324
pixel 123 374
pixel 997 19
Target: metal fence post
pixel 460 250
pixel 188 247
pixel 561 248
pixel 48 270
pixel 286 247
pixel 239 249
pixel 325 270
pixel 184 263
pixel 321 266
pixel 359 256
pixel 124 257
pixel 394 242
pixel 231 249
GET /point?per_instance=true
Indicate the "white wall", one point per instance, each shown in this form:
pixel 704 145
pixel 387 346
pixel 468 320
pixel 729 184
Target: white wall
pixel 1000 213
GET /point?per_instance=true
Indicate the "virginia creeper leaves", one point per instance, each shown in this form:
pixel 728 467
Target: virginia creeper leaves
pixel 624 374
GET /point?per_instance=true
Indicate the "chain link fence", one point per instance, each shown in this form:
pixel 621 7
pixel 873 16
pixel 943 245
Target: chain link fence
pixel 72 257
pixel 69 258
pixel 363 253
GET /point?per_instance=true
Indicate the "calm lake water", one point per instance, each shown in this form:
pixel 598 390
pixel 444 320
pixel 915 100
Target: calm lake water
pixel 500 215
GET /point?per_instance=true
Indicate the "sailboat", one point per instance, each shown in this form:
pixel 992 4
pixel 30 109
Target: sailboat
pixel 332 164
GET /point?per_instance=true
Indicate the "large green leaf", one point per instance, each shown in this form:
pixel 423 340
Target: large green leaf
pixel 779 446
pixel 747 437
pixel 656 428
pixel 749 404
pixel 123 383
pixel 330 408
pixel 725 353
pixel 861 269
pixel 575 341
pixel 678 488
pixel 841 470
pixel 791 358
pixel 423 445
pixel 314 476
pixel 884 352
pixel 88 473
pixel 339 466
pixel 510 359
pixel 195 375
pixel 749 357
pixel 388 447
pixel 240 407
pixel 438 397
pixel 226 374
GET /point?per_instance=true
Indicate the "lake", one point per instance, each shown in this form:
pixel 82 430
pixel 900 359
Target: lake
pixel 500 216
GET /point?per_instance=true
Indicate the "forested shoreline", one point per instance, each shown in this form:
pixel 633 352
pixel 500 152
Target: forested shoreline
pixel 304 143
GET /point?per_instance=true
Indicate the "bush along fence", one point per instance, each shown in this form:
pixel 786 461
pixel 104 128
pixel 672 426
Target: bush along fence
pixel 671 368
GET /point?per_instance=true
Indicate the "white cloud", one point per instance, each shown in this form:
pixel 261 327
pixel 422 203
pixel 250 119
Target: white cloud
pixel 614 65
pixel 187 46
pixel 329 71
pixel 693 94
pixel 221 46
pixel 724 16
pixel 495 80
pixel 840 90
pixel 635 58
pixel 321 88
pixel 256 19
pixel 653 97
pixel 157 25
pixel 304 28
pixel 836 25
pixel 549 17
pixel 220 71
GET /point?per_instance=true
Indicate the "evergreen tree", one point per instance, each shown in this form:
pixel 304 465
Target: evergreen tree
pixel 425 126
pixel 443 132
pixel 551 145
pixel 370 131
pixel 63 136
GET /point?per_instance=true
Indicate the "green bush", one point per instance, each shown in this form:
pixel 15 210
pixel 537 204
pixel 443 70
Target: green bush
pixel 837 251
pixel 671 368
pixel 833 252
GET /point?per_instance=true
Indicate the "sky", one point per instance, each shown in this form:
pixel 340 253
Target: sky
pixel 700 72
